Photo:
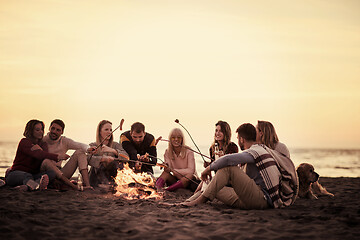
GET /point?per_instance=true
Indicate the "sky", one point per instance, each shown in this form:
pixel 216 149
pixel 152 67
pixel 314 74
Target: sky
pixel 293 63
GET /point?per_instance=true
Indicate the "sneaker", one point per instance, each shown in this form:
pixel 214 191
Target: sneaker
pixel 44 181
pixel 32 185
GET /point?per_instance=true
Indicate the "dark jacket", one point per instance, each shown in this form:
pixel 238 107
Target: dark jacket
pixel 147 146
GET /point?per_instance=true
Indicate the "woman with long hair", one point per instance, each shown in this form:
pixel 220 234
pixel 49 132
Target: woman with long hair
pixel 103 161
pixel 222 143
pixel 31 153
pixel 221 146
pixel 266 134
pixel 180 163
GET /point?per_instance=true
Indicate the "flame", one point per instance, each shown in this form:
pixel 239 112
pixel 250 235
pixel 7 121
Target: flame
pixel 144 181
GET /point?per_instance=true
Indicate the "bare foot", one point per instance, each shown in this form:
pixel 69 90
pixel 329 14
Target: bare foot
pixel 32 185
pixel 187 204
pixel 44 181
pixel 200 200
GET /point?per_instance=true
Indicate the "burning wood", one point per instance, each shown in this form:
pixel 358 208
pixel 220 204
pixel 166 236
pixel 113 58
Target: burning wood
pixel 130 185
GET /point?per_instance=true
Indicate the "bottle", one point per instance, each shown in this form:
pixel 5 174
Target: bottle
pixel 79 182
pixel 216 151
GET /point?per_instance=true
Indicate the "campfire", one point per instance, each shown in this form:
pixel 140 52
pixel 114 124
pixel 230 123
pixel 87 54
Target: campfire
pixel 130 185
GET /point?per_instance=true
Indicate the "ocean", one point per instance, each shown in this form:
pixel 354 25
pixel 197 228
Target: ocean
pixel 327 162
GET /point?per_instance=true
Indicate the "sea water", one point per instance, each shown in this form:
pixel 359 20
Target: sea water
pixel 327 162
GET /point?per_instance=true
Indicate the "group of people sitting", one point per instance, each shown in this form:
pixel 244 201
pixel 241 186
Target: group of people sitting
pixel 261 176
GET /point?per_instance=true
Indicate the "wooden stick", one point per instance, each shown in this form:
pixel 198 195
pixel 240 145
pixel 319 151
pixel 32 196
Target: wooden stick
pixel 165 140
pixel 178 122
pixel 120 126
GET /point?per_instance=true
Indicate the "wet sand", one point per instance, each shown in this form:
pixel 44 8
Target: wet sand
pixel 53 214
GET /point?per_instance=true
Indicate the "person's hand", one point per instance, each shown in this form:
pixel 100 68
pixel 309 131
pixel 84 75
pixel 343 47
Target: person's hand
pixel 138 166
pixel 144 158
pixel 62 156
pixel 36 147
pixel 157 140
pixel 91 150
pixel 167 168
pixel 206 174
pixel 206 164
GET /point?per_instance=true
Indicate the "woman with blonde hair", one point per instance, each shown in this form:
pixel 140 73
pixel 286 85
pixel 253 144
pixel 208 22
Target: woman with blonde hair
pixel 103 161
pixel 180 163
pixel 266 134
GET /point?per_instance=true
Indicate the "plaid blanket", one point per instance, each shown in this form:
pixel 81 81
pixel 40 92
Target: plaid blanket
pixel 279 174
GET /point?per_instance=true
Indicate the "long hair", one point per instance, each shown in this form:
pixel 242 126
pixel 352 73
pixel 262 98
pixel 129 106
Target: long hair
pixel 29 128
pixel 176 132
pixel 226 130
pixel 98 130
pixel 269 137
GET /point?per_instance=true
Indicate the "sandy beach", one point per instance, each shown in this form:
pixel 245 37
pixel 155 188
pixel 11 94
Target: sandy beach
pixel 54 214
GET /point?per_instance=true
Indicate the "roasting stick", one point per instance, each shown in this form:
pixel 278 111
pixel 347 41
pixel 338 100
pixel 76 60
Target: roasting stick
pixel 100 144
pixel 165 140
pixel 178 122
pixel 120 126
pixel 146 163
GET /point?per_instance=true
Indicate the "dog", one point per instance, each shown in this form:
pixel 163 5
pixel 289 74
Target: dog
pixel 309 187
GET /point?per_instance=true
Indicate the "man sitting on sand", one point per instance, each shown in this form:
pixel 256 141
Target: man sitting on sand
pixel 139 145
pixel 262 186
pixel 59 144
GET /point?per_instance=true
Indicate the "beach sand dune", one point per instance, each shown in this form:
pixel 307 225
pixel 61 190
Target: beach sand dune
pixel 53 214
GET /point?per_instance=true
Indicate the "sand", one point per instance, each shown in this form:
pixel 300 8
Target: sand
pixel 54 214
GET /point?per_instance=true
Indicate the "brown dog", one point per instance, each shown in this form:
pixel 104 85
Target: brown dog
pixel 308 182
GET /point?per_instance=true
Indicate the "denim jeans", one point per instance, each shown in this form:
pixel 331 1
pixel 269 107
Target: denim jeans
pixel 16 178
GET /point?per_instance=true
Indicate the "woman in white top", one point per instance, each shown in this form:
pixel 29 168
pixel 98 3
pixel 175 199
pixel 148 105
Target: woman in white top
pixel 180 163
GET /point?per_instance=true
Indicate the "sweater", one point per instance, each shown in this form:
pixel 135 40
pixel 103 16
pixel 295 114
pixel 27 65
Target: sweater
pixel 133 149
pixel 183 164
pixel 28 160
pixel 62 145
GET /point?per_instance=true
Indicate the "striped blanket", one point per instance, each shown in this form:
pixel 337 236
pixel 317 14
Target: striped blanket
pixel 279 174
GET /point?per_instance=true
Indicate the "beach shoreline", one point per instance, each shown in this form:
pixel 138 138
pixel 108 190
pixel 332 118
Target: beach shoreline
pixel 54 214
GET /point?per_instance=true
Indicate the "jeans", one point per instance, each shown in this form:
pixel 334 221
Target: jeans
pixel 16 178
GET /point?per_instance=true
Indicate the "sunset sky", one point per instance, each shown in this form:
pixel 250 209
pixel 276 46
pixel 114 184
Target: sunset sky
pixel 294 63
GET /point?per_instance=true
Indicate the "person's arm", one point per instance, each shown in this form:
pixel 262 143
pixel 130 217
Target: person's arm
pixel 40 153
pixel 71 144
pixel 93 159
pixel 232 160
pixel 122 154
pixel 152 152
pixel 129 148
